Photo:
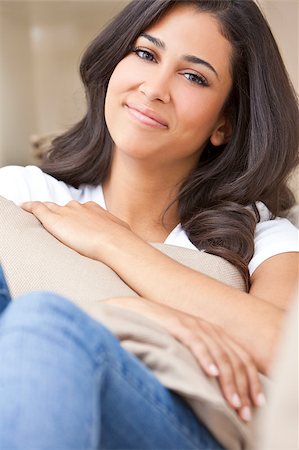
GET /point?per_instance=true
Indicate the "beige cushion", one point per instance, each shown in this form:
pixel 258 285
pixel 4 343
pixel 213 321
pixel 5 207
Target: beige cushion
pixel 34 260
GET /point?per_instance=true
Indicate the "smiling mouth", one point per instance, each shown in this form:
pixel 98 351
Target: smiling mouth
pixel 145 118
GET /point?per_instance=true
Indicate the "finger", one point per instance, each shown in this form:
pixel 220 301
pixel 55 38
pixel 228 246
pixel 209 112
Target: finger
pixel 28 206
pixel 241 362
pixel 43 212
pixel 94 205
pixel 36 207
pixel 234 387
pixel 199 349
pixel 203 346
pixel 208 348
pixel 53 206
pixel 74 204
pixel 242 382
pixel 204 357
pixel 255 386
pixel 227 379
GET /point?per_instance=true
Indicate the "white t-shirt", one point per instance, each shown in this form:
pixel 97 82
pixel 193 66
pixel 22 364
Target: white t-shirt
pixel 21 184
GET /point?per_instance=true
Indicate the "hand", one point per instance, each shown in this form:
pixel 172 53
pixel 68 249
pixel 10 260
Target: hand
pixel 86 228
pixel 217 354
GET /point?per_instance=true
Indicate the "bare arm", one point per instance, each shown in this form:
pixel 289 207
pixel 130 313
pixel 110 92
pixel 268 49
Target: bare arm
pixel 253 320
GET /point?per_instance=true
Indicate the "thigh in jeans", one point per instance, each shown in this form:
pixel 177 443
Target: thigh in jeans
pixel 66 383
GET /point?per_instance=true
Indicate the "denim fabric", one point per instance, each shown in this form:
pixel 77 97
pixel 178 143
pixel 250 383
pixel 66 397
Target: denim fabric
pixel 4 292
pixel 66 383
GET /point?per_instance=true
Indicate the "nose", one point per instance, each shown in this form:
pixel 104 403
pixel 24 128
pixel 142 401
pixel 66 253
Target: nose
pixel 156 88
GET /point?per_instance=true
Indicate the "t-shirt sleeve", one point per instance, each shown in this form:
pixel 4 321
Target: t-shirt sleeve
pixel 23 184
pixel 273 237
pixel 15 184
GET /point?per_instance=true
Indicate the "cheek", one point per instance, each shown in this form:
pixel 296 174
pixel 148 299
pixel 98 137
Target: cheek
pixel 115 84
pixel 196 107
pixel 113 97
pixel 197 113
pixel 124 77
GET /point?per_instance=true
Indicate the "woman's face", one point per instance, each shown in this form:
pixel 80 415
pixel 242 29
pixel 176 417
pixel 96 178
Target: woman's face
pixel 164 99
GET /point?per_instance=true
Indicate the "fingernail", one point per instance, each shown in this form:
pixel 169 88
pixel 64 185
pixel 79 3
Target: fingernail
pixel 260 399
pixel 236 401
pixel 213 370
pixel 246 413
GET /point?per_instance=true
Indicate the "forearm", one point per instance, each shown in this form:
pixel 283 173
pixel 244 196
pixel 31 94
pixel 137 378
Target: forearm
pixel 248 319
pixel 252 322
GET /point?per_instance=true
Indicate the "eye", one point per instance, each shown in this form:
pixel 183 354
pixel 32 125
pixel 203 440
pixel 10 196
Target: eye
pixel 196 79
pixel 144 54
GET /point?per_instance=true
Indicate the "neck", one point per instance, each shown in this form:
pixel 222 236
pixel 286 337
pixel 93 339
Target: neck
pixel 139 195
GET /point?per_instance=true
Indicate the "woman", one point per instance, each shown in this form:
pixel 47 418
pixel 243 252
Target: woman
pixel 189 137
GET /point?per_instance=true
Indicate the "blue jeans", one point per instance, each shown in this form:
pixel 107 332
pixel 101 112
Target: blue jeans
pixel 66 383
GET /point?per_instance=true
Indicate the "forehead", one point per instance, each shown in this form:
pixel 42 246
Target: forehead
pixel 187 30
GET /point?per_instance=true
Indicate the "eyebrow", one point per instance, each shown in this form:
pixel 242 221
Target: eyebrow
pixel 189 58
pixel 154 40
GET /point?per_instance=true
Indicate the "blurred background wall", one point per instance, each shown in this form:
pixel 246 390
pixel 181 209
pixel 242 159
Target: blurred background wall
pixel 41 43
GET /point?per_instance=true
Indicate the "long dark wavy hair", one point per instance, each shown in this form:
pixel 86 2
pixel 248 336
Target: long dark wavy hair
pixel 217 200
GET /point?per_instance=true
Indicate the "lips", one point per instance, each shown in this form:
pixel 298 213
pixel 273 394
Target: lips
pixel 146 115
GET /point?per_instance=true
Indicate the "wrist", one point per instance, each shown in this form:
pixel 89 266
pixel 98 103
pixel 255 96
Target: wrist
pixel 113 248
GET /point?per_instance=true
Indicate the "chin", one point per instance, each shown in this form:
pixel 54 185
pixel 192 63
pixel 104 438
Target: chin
pixel 134 152
pixel 138 151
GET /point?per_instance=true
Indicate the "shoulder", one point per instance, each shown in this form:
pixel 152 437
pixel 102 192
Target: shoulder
pixel 273 237
pixel 21 184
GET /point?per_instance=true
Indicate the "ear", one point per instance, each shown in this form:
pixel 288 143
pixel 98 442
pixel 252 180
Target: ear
pixel 222 132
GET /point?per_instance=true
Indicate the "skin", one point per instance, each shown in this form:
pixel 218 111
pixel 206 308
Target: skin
pixel 150 163
pixel 232 334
